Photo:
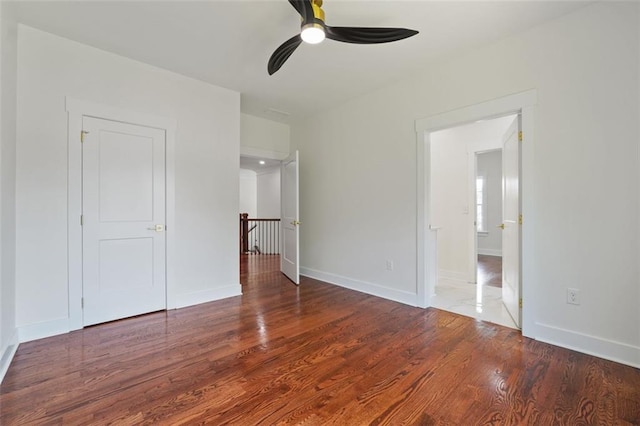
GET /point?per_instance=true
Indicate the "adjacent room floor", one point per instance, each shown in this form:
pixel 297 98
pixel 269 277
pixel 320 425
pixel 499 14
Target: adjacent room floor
pixel 482 301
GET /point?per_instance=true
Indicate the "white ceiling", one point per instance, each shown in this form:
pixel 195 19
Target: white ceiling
pixel 228 43
pixel 251 163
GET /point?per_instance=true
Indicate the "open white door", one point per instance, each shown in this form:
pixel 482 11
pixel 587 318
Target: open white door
pixel 123 213
pixel 511 221
pixel 289 218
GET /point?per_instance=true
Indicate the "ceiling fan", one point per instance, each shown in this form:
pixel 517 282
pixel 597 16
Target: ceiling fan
pixel 314 30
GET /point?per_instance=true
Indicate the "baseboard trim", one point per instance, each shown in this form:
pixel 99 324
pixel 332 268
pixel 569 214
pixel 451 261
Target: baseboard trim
pixel 8 354
pixel 590 345
pixel 490 252
pixel 452 275
pixel 399 296
pixel 197 297
pixel 40 330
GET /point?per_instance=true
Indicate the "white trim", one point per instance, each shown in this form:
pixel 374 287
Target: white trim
pixel 404 297
pixel 590 345
pixel 247 151
pixel 7 356
pixel 426 233
pixel 197 297
pixel 41 330
pixel 490 252
pixel 96 110
pixel 523 103
pixel 472 252
pixel 486 110
pixel 76 109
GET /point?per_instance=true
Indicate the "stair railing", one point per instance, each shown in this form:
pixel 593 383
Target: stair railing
pixel 259 236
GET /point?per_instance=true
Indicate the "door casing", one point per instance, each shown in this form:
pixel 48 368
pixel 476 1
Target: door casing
pixel 76 109
pixel 520 103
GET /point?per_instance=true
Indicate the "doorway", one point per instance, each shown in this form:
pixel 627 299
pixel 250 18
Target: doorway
pixel 276 195
pixel 160 130
pixel 466 206
pixel 427 253
pixel 260 202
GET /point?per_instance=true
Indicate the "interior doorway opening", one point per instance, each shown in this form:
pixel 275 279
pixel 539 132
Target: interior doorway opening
pixel 259 209
pixel 466 207
pixel 524 297
pixel 269 190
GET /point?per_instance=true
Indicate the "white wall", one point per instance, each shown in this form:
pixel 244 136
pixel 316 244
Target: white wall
pixel 206 171
pixel 450 209
pixel 269 193
pixel 8 69
pixel 263 138
pixel 489 166
pixel 248 192
pixel 358 175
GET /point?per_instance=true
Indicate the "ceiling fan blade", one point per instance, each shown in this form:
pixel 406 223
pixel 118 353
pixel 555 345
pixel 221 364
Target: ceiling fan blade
pixel 362 35
pixel 282 53
pixel 304 8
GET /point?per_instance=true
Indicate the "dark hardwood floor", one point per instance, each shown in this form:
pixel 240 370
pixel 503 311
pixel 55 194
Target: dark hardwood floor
pixel 316 354
pixel 490 270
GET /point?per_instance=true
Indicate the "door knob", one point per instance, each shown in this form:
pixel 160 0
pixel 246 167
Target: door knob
pixel 157 228
pixel 501 226
pixel 295 223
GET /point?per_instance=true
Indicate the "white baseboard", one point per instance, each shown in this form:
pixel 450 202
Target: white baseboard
pixel 400 296
pixel 7 355
pixel 452 275
pixel 591 345
pixel 40 330
pixel 197 297
pixel 490 252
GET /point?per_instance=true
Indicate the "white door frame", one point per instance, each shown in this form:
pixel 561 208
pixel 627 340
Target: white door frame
pixel 76 109
pixel 523 103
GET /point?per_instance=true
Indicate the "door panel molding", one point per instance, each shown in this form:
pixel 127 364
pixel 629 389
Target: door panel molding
pixel 76 109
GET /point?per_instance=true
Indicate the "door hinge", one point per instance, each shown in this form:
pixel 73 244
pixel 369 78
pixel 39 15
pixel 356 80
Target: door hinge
pixel 520 219
pixel 81 220
pixel 82 302
pixel 82 133
pixel 520 303
pixel 520 136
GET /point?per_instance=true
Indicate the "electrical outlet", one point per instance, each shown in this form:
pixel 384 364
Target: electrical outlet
pixel 573 296
pixel 389 265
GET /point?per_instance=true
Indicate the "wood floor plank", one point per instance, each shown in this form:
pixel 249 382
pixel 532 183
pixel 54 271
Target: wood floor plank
pixel 316 354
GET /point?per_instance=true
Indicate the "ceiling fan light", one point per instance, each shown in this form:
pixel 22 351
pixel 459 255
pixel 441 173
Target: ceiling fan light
pixel 312 33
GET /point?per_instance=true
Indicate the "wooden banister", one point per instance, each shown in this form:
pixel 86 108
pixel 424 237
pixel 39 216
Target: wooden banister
pixel 265 233
pixel 244 232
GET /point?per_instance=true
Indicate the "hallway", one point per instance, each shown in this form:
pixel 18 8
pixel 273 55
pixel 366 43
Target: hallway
pixel 259 269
